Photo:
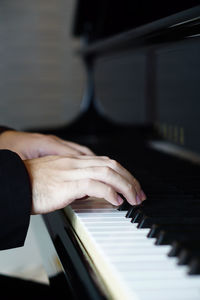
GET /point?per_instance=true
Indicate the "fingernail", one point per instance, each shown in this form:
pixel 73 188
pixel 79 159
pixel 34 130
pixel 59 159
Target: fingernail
pixel 119 200
pixel 138 200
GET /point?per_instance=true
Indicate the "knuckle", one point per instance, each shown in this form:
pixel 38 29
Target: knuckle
pixel 50 136
pixel 105 157
pixel 114 163
pixel 47 138
pixel 39 135
pixel 130 188
pixel 85 148
pixel 106 170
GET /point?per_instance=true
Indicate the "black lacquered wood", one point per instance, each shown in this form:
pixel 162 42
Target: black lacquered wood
pixel 79 276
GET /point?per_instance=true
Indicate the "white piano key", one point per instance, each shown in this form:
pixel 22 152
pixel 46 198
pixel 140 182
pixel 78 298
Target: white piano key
pixel 95 210
pixel 143 270
pixel 138 257
pixel 169 294
pixel 133 248
pixel 113 214
pixel 124 227
pixel 134 275
pixel 164 283
pixel 133 251
pixel 147 265
pixel 115 221
pixel 115 225
pixel 109 221
pixel 120 239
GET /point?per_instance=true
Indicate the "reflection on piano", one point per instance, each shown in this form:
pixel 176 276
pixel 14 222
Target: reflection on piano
pixel 149 251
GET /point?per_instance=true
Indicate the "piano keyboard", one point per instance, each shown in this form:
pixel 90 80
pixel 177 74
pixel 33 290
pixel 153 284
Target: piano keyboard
pixel 130 264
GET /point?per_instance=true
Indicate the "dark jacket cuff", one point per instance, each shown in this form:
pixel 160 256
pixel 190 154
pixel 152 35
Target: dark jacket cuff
pixel 15 200
pixel 3 128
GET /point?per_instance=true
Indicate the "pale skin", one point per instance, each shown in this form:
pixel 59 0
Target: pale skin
pixel 61 172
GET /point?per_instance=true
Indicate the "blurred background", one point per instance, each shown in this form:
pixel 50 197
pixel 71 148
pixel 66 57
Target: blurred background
pixel 41 77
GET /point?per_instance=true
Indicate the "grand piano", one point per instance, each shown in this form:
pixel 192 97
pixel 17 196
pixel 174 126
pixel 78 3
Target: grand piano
pixel 142 60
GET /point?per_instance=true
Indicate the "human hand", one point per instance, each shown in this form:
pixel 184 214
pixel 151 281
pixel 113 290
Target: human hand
pixel 57 181
pixel 34 145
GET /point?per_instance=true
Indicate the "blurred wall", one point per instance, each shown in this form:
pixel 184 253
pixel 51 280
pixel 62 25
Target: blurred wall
pixel 41 78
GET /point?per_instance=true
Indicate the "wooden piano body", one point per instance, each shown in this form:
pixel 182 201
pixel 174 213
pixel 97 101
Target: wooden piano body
pixel 146 76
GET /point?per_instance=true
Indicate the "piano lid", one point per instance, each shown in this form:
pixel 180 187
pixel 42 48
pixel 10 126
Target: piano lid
pixel 101 19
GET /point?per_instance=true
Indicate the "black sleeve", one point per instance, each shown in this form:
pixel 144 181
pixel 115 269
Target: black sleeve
pixel 3 128
pixel 15 200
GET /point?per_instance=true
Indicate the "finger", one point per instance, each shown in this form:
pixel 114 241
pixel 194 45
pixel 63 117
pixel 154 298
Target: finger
pixel 89 187
pixel 106 161
pixel 124 172
pixel 83 149
pixel 82 162
pixel 107 176
pixel 57 148
pixel 79 148
pixel 98 161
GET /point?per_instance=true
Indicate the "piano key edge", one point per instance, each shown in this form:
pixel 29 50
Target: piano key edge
pixel 115 288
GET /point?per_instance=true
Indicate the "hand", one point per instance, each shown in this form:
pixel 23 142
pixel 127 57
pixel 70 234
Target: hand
pixel 34 145
pixel 57 181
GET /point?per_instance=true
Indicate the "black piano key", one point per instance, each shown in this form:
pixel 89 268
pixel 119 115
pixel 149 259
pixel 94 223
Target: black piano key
pixel 173 227
pixel 131 211
pixel 154 231
pixel 163 238
pixel 166 211
pixel 148 222
pixel 124 206
pixel 194 267
pixel 172 208
pixel 148 219
pixel 175 250
pixel 178 246
pixel 174 202
pixel 137 217
pixel 186 255
pixel 166 238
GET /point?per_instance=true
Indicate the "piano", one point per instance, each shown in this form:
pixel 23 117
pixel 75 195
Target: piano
pixel 143 67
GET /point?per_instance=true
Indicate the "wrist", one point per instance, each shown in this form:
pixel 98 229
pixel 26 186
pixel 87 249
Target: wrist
pixel 5 138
